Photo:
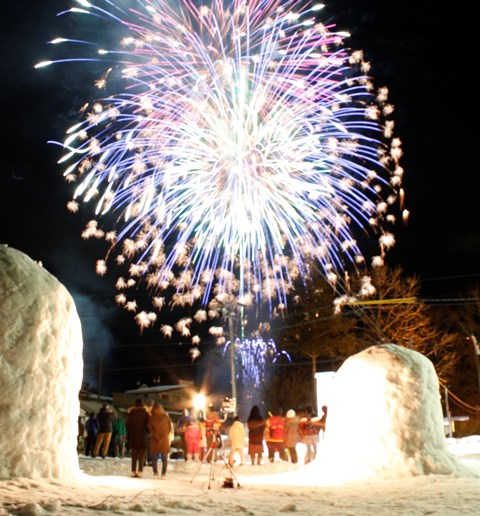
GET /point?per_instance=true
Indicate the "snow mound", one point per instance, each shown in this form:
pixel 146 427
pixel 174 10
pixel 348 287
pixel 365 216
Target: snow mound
pixel 41 369
pixel 385 420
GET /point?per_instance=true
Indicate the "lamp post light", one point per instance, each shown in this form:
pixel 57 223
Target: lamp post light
pixel 199 402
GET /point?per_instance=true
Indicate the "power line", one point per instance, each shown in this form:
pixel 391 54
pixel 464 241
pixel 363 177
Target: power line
pixel 443 278
pixel 393 301
pixel 462 404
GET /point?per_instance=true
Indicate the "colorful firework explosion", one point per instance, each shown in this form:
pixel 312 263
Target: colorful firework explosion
pixel 243 142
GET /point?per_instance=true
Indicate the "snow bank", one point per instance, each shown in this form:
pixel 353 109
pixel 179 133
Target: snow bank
pixel 40 371
pixel 385 419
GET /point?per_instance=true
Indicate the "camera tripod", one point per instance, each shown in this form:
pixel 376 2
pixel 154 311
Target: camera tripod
pixel 212 455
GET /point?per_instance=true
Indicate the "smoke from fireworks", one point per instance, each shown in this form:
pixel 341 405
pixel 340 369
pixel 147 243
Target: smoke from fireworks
pixel 241 143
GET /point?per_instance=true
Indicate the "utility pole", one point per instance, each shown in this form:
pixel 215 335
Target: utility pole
pixel 100 371
pixel 229 311
pixel 447 410
pixel 476 351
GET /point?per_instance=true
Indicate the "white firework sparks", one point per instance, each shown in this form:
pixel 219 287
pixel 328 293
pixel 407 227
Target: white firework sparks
pixel 243 141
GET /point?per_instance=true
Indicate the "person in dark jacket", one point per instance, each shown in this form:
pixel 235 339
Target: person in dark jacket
pixel 182 425
pixel 91 427
pixel 256 428
pixel 323 419
pixel 137 423
pixel 81 434
pixel 105 427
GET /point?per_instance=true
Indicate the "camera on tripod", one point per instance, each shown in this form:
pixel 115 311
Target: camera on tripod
pixel 229 405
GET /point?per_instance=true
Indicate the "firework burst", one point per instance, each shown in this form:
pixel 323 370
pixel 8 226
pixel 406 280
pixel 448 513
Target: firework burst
pixel 253 356
pixel 243 142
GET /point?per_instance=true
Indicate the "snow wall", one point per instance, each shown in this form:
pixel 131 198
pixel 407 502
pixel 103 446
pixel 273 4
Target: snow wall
pixel 41 368
pixel 385 418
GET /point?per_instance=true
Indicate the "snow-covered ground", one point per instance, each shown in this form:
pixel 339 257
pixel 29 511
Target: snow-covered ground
pixel 105 486
pixel 384 450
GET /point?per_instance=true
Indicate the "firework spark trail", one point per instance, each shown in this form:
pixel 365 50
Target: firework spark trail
pixel 253 356
pixel 244 142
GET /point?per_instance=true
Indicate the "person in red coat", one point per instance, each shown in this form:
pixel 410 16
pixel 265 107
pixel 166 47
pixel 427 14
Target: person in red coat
pixel 160 427
pixel 309 429
pixel 137 422
pixel 274 435
pixel 192 439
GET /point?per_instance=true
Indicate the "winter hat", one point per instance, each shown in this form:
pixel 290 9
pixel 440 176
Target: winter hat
pixel 290 413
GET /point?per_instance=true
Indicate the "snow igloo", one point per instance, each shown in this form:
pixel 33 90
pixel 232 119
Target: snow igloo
pixel 41 369
pixel 385 419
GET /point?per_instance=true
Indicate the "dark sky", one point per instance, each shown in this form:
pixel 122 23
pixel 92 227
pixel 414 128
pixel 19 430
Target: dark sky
pixel 421 50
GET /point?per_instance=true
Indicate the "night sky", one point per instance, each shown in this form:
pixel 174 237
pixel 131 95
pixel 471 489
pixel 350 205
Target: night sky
pixel 422 50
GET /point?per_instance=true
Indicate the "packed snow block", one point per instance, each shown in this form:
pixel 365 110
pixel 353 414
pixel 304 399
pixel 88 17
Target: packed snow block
pixel 41 369
pixel 385 418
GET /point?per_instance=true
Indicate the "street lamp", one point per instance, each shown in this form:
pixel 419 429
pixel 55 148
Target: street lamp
pixel 199 402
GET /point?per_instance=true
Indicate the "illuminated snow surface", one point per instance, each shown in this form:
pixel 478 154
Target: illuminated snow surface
pixel 386 419
pixel 41 369
pixel 105 487
pixel 384 451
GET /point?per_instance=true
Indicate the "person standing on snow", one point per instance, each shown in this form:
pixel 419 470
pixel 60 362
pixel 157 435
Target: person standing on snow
pixel 274 435
pixel 256 429
pixel 213 422
pixel 91 426
pixel 193 437
pixel 291 435
pixel 323 419
pixel 137 422
pixel 160 427
pixel 105 428
pixel 309 428
pixel 182 424
pixel 237 436
pixel 119 437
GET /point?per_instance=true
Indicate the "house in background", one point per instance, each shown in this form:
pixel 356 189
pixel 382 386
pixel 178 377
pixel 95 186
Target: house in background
pixel 174 398
pixel 91 402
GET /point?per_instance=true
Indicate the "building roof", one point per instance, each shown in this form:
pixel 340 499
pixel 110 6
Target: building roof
pixel 159 388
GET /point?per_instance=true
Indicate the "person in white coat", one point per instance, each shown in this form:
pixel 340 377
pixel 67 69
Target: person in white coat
pixel 237 437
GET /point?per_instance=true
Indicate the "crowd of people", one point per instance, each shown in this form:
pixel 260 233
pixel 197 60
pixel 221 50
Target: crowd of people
pixel 281 434
pixel 148 433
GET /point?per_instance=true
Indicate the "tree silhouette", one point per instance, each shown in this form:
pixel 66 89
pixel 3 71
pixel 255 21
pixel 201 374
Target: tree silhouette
pixel 462 317
pixel 311 329
pixel 396 314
